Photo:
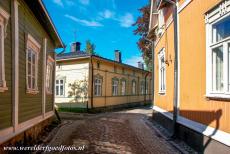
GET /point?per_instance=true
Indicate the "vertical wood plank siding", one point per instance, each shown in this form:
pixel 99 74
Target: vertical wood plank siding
pixel 6 97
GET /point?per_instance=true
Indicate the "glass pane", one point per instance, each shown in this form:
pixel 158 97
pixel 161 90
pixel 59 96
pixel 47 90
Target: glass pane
pixel 29 55
pixel 57 90
pixel 33 58
pixel 29 82
pixel 29 68
pixel 33 83
pixel 61 90
pixel 57 81
pixel 221 29
pixel 217 68
pixel 61 82
pixel 33 70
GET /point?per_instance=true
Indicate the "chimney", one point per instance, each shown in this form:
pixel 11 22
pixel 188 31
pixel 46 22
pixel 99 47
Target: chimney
pixel 76 46
pixel 118 56
pixel 140 65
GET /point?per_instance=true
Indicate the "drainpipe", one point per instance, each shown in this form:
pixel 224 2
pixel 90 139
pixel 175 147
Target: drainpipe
pixel 153 69
pixel 175 99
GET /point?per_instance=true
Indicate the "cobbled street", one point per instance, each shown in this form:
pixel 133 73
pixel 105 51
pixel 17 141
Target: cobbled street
pixel 112 132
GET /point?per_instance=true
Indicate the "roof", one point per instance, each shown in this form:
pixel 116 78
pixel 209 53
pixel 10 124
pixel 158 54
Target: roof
pixel 41 13
pixel 82 54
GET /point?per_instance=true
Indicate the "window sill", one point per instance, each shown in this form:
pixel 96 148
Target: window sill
pixel 161 93
pixel 218 96
pixel 3 89
pixel 33 92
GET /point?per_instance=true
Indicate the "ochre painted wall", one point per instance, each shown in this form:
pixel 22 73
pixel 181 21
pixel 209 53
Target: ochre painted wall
pixel 194 105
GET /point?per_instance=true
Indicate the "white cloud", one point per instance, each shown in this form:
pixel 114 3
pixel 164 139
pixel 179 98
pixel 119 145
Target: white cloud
pixel 58 2
pixel 127 20
pixel 84 2
pixel 133 61
pixel 69 2
pixel 107 14
pixel 84 22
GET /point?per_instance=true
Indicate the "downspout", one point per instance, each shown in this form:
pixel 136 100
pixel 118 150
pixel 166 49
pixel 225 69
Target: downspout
pixel 175 100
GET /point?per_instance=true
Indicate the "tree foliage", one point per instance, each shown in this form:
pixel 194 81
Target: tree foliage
pixel 142 24
pixel 90 47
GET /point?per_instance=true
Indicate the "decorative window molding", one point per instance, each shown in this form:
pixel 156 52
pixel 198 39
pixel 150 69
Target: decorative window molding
pixel 134 87
pixel 4 16
pixel 49 75
pixel 162 71
pixel 32 56
pixel 98 80
pixel 218 51
pixel 115 85
pixel 123 86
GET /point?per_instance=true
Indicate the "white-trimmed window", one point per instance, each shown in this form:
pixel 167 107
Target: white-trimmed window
pixel 32 55
pixel 98 86
pixel 49 75
pixel 115 83
pixel 142 88
pixel 4 16
pixel 123 87
pixel 60 88
pixel 162 71
pixel 134 87
pixel 218 53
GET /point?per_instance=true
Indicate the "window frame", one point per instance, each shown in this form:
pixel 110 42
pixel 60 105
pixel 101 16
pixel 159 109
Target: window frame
pixel 59 87
pixel 49 75
pixel 98 86
pixel 134 89
pixel 142 88
pixel 210 45
pixel 115 87
pixel 34 47
pixel 4 17
pixel 161 83
pixel 123 93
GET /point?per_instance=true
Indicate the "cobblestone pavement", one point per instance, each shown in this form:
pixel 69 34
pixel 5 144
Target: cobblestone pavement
pixel 113 132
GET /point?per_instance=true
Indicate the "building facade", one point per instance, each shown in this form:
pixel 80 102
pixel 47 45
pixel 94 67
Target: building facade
pixel 27 66
pixel 91 81
pixel 194 35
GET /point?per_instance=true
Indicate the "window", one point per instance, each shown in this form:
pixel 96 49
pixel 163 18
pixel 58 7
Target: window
pixel 142 88
pixel 59 88
pixel 218 54
pixel 98 86
pixel 49 75
pixel 115 83
pixel 4 16
pixel 133 87
pixel 32 53
pixel 123 87
pixel 146 88
pixel 162 71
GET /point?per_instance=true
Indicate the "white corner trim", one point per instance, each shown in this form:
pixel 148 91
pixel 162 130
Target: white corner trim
pixel 44 76
pixel 15 51
pixel 186 3
pixel 208 131
pixel 9 133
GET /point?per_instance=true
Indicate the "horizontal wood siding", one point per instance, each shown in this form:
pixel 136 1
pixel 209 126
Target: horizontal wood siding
pixel 6 97
pixel 30 106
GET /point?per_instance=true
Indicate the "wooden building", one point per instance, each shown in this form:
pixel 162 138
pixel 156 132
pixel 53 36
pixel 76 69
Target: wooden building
pixel 27 66
pixel 194 36
pixel 103 83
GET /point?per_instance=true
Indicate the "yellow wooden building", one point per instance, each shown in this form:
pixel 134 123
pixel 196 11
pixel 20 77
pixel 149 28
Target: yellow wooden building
pixel 94 82
pixel 191 60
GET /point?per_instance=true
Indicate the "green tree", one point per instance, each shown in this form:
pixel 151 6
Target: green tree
pixel 90 48
pixel 142 24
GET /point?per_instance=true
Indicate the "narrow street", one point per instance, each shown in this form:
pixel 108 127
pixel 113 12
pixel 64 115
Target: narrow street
pixel 112 132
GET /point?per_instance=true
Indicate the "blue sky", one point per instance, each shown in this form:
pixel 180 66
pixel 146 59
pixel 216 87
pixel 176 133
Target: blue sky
pixel 107 23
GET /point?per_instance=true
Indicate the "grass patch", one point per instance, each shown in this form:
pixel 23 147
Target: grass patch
pixel 76 110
